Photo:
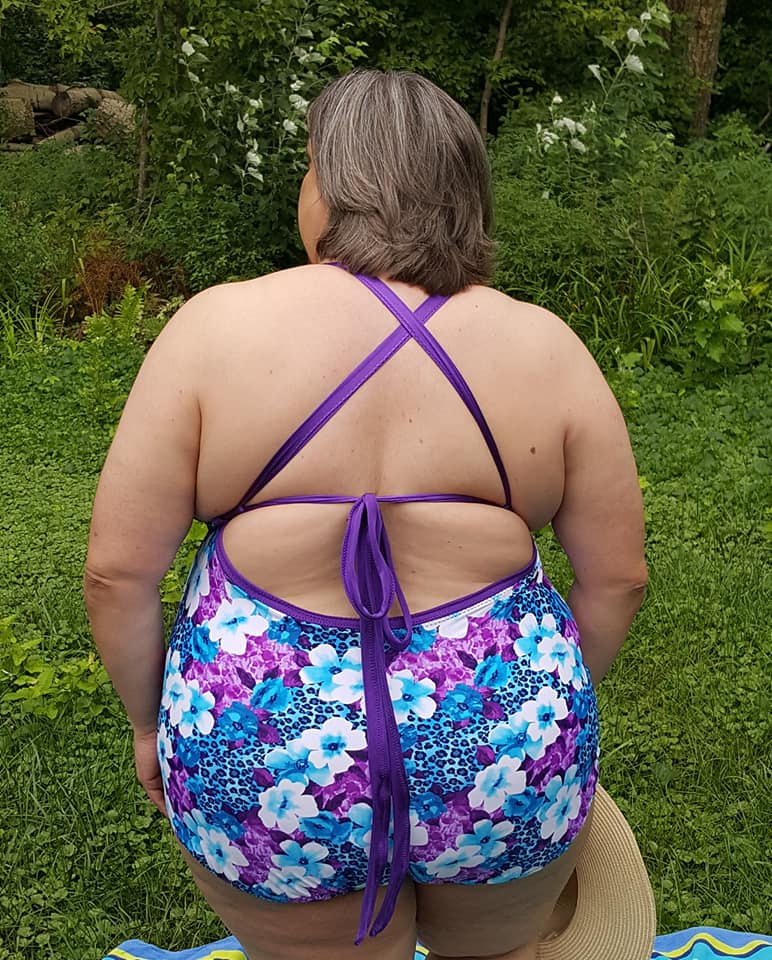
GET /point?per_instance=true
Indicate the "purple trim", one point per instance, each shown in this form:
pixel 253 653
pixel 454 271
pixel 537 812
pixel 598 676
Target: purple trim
pixel 325 620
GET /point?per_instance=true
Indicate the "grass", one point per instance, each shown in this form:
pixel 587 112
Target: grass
pixel 686 710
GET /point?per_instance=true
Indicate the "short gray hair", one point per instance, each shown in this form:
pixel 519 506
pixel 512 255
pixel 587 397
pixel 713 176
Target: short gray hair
pixel 403 172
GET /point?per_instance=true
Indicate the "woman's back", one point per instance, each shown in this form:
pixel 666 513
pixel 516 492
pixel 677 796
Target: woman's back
pixel 275 347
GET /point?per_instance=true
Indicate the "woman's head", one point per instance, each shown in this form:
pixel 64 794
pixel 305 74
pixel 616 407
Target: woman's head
pixel 403 179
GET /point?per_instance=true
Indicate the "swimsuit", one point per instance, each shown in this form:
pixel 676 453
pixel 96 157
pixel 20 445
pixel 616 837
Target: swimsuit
pixel 306 756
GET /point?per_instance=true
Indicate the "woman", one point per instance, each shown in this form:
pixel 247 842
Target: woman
pixel 375 712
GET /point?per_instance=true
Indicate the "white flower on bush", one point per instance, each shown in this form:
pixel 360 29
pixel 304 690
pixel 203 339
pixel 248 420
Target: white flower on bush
pixel 594 69
pixel 566 123
pixel 634 35
pixel 188 49
pixel 633 64
pixel 296 85
pixel 557 99
pixel 298 102
pixel 645 16
pixel 290 126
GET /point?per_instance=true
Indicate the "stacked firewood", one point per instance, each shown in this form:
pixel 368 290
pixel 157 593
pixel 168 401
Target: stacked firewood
pixel 33 112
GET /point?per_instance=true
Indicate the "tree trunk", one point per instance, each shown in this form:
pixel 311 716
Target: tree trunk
pixel 17 119
pixel 488 89
pixel 74 100
pixel 703 22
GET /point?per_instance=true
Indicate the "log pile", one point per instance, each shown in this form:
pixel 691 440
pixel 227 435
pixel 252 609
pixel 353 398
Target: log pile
pixel 31 113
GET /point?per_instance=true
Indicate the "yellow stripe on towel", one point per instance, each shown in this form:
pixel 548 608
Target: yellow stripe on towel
pixel 723 949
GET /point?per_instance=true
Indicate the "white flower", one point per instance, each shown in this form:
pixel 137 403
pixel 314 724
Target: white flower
pixel 557 99
pixel 634 35
pixel 543 714
pixel 419 835
pixel 450 862
pixel 165 751
pixel 233 622
pixel 549 137
pixel 495 783
pixel 411 696
pixel 328 746
pixel 564 798
pixel 290 127
pixel 594 69
pixel 633 64
pixel 645 16
pixel 578 145
pixel 253 158
pixel 255 104
pixel 298 102
pixel 193 77
pixel 188 49
pixel 230 88
pixel 196 711
pixel 567 123
pixel 198 584
pixel 555 652
pixel 580 128
pixel 221 856
pixel 296 85
pixel 284 805
pixel 291 883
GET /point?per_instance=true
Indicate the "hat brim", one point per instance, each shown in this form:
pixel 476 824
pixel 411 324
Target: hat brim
pixel 615 916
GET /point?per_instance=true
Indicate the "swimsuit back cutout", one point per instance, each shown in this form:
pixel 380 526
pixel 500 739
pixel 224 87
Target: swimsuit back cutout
pixel 371 585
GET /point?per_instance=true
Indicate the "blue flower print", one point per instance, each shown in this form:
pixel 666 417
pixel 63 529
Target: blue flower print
pixel 361 816
pixel 201 645
pixel 228 824
pixel 306 860
pixel 285 630
pixel 428 806
pixel 556 653
pixel 198 582
pixel 543 714
pixel 271 695
pixel 165 746
pixel 283 806
pixel 196 711
pixel 326 826
pixel 492 672
pixel 531 634
pixel 494 784
pixel 421 639
pixel 175 690
pixel 195 784
pixel 451 862
pixel 330 745
pixel 339 678
pixel 237 722
pixel 463 702
pixel 564 801
pixel 292 763
pixel 511 739
pixel 290 886
pixel 411 696
pixel 487 838
pixel 195 821
pixel 522 806
pixel 234 621
pixel 188 752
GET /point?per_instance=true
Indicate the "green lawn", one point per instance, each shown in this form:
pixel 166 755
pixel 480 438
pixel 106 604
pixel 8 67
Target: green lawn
pixel 686 711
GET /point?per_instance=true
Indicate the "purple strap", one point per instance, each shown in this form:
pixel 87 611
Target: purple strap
pixel 433 348
pixel 371 585
pixel 319 417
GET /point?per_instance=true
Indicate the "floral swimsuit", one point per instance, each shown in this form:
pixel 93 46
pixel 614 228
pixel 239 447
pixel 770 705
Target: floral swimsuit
pixel 306 756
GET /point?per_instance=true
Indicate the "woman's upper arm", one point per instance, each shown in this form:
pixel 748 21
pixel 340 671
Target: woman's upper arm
pixel 600 520
pixel 146 495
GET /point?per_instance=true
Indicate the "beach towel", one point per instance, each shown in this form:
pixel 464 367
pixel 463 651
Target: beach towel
pixel 697 943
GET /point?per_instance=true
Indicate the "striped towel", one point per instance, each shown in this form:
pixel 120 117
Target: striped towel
pixel 698 943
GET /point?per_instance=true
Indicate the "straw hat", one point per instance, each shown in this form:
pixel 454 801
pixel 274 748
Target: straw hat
pixel 614 917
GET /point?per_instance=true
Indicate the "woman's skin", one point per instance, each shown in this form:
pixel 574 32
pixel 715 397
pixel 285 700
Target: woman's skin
pixel 229 378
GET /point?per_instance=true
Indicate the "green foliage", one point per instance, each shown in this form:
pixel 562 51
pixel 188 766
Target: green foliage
pixel 642 245
pixel 44 684
pixel 173 584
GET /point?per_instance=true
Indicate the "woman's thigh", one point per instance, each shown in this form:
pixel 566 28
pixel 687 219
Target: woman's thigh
pixel 486 920
pixel 322 930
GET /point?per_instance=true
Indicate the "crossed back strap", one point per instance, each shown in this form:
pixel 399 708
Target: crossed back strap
pixel 412 326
